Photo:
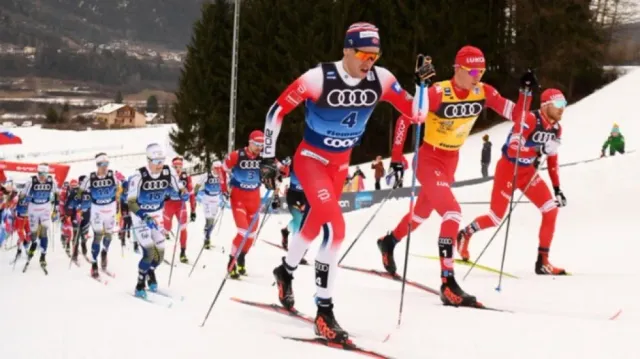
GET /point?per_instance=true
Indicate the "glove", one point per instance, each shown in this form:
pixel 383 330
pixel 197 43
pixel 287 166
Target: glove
pixel 268 172
pixel 286 161
pixel 150 221
pixel 528 81
pixel 561 200
pixel 54 215
pixel 549 148
pixel 536 162
pixel 193 216
pixel 184 197
pixel 424 70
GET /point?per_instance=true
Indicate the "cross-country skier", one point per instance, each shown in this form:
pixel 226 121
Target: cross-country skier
pixel 339 98
pixel 21 224
pixel 147 189
pixel 175 207
pixel 78 212
pixel 537 134
pixel 125 215
pixel 210 183
pixel 297 203
pixel 102 185
pixel 66 229
pixel 243 190
pixel 7 209
pixel 43 193
pixel 454 106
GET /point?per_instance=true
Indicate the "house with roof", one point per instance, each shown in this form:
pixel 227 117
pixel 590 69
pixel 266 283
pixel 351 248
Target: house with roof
pixel 119 115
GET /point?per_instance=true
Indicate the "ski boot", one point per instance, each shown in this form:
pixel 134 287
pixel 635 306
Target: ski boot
pixel 152 282
pixel 183 256
pixel 43 261
pixel 136 247
pixel 140 291
pixel 207 244
pixel 233 270
pixel 241 268
pixel 326 324
pixel 18 254
pixel 74 254
pixel 285 238
pixel 452 294
pixel 103 260
pixel 95 273
pixel 83 247
pixel 386 246
pixel 544 267
pixel 462 242
pixel 284 280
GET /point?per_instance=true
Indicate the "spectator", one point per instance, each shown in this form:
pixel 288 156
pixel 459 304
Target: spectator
pixel 378 168
pixel 615 142
pixel 485 158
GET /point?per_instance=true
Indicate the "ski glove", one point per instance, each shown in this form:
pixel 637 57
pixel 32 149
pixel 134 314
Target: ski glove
pixel 561 200
pixel 550 148
pixel 424 70
pixel 193 216
pixel 184 197
pixel 268 172
pixel 149 221
pixel 529 81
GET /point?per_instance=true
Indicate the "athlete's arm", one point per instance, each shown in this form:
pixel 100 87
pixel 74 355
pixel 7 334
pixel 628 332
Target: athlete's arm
pixel 434 94
pixel 522 127
pixel 176 184
pixel 26 190
pixel 227 165
pixel 132 195
pixel 502 106
pixel 306 87
pixel 192 195
pixel 393 93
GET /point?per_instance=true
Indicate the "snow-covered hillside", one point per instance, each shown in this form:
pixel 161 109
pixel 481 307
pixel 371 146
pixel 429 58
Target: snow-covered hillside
pixel 591 314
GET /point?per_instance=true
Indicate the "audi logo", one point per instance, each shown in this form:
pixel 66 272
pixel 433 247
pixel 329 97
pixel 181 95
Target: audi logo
pixel 42 187
pixel 352 98
pixel 543 137
pixel 213 180
pixel 155 185
pixel 249 164
pixel 461 110
pixel 107 182
pixel 340 143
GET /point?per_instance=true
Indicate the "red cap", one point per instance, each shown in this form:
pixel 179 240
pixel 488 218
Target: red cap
pixel 73 183
pixel 550 95
pixel 256 136
pixel 471 57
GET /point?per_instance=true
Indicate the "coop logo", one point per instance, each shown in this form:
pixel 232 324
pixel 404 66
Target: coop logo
pixel 42 187
pixel 104 201
pixel 155 185
pixel 107 182
pixel 248 186
pixel 526 161
pixel 149 207
pixel 462 110
pixel 249 164
pixel 352 98
pixel 543 137
pixel 340 143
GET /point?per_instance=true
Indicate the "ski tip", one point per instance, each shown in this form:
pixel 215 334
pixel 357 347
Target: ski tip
pixel 616 315
pixel 386 339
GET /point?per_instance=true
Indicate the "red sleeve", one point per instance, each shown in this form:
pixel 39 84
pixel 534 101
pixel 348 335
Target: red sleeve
pixel 502 106
pixel 229 162
pixel 192 196
pixel 521 128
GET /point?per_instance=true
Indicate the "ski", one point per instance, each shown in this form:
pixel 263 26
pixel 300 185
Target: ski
pixel 151 301
pixel 99 280
pixel 44 269
pixel 277 309
pixel 395 277
pixel 468 264
pixel 348 346
pixel 108 272
pixel 480 306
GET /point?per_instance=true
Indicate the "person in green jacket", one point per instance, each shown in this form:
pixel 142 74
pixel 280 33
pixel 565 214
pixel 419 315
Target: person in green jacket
pixel 615 142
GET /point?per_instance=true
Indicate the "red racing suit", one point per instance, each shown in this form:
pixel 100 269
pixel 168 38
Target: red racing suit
pixel 452 113
pixel 529 134
pixel 174 207
pixel 244 184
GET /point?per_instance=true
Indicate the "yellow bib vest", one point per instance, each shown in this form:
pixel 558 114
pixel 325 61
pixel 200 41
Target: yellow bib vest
pixel 449 126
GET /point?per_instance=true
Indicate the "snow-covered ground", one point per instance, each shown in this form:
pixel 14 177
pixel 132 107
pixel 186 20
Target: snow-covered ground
pixel 591 314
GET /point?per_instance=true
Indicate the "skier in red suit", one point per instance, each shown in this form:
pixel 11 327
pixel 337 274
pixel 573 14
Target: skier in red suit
pixel 243 189
pixel 174 207
pixel 537 134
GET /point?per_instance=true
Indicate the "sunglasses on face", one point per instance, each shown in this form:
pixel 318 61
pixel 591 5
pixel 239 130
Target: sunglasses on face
pixel 474 72
pixel 42 174
pixel 257 144
pixel 157 161
pixel 103 164
pixel 559 103
pixel 365 55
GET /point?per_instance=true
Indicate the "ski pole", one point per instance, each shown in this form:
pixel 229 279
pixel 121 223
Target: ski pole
pixel 267 214
pixel 235 257
pixel 366 225
pixel 215 223
pixel 504 220
pixel 411 202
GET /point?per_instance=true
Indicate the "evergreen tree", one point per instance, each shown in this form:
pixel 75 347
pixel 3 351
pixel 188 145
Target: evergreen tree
pixel 118 98
pixel 51 115
pixel 152 104
pixel 202 106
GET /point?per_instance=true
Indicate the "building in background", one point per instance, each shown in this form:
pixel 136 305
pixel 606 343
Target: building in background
pixel 119 116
